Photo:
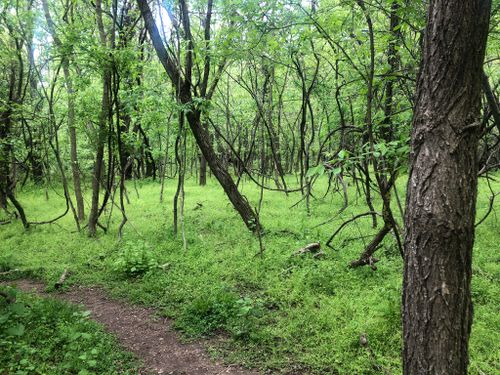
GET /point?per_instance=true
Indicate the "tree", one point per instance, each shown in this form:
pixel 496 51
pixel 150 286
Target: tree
pixel 103 124
pixel 182 79
pixel 442 187
pixel 71 112
pixel 11 101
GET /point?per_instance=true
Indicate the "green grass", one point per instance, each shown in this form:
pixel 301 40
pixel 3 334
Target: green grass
pixel 279 312
pixel 46 336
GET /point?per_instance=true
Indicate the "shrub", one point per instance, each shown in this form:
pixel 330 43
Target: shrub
pixel 219 310
pixel 134 259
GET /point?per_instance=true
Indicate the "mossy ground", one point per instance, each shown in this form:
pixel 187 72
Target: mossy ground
pixel 279 312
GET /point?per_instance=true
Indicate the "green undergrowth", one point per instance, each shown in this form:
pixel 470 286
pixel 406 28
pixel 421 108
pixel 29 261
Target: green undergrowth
pixel 46 336
pixel 284 313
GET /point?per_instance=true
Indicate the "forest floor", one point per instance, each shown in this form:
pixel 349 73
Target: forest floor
pixel 139 330
pixel 279 313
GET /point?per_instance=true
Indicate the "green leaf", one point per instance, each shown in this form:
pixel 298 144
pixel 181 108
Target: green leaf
pixel 317 170
pixel 18 308
pixel 17 330
pixel 336 171
pixel 343 154
pixel 4 317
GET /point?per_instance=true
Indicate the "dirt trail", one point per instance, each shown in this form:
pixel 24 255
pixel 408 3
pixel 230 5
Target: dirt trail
pixel 152 339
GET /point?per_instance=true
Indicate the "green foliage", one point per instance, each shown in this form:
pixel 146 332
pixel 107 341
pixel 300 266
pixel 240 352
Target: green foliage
pixel 279 312
pixel 318 170
pixel 217 310
pixel 134 259
pixel 10 315
pixel 7 263
pixel 45 336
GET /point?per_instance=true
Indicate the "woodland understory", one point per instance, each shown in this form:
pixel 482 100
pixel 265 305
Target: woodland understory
pixel 260 171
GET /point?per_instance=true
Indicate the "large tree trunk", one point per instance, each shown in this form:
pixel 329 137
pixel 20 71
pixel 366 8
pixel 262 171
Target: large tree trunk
pixel 442 186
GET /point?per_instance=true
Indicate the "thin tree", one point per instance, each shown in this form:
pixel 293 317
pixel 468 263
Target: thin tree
pixel 68 80
pixel 103 121
pixel 182 79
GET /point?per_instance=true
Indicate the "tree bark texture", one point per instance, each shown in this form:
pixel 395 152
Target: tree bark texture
pixel 442 189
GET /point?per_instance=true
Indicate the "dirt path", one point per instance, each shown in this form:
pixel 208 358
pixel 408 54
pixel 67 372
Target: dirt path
pixel 152 339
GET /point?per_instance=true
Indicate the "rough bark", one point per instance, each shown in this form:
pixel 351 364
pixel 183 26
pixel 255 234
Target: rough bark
pixel 442 187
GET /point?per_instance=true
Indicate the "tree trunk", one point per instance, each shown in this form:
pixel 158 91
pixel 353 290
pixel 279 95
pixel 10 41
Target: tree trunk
pixel 71 115
pixel 7 184
pixel 103 120
pixel 5 151
pixel 203 170
pixel 442 186
pixel 203 165
pixel 240 204
pixel 33 140
pixel 75 170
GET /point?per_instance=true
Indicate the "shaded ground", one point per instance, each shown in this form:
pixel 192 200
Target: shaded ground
pixel 152 339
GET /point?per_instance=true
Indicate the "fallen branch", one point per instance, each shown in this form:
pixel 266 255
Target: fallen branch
pixel 367 257
pixel 348 222
pixel 314 247
pixel 490 209
pixel 62 279
pixel 319 255
pixel 9 272
pixel 365 261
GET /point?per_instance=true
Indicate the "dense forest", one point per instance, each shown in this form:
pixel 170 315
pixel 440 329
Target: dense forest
pixel 306 186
